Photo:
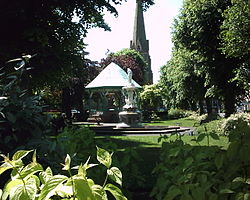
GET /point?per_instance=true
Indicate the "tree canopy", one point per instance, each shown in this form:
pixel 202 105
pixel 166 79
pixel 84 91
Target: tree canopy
pixel 54 30
pixel 199 57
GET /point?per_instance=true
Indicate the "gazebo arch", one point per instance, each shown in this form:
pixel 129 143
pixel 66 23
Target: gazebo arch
pixel 105 92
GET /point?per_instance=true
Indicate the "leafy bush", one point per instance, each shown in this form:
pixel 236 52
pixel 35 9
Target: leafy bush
pixel 30 182
pixel 203 172
pixel 236 126
pixel 178 113
pixel 21 116
pixel 78 142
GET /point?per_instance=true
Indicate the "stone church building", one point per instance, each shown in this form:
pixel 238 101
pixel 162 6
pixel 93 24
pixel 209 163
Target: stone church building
pixel 140 42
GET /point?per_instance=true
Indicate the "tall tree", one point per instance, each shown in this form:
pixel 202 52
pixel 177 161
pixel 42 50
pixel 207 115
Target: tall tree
pixel 235 35
pixel 53 29
pixel 197 29
pixel 181 77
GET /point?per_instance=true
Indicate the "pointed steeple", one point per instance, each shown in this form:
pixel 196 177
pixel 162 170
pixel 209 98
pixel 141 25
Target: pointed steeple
pixel 140 42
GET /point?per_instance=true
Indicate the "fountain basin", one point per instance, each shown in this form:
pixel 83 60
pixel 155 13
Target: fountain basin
pixel 130 119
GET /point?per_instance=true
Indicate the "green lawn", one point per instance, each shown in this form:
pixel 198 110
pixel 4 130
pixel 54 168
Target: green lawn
pixel 186 122
pixel 124 142
pixel 148 148
pixel 153 141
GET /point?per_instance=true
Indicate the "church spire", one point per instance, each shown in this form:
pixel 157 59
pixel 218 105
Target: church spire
pixel 140 42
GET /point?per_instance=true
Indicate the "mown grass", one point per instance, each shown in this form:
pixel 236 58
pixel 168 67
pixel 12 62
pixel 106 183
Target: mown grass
pixel 186 122
pixel 149 147
pixel 124 142
pixel 150 141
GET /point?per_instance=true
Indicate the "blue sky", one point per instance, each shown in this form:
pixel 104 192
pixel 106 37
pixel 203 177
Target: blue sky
pixel 158 21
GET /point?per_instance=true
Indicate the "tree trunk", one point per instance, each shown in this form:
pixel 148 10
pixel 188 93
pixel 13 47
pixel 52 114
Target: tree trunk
pixel 79 104
pixel 229 103
pixel 209 106
pixel 201 107
pixel 66 102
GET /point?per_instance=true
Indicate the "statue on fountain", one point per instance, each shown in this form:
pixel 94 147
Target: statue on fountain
pixel 129 92
pixel 130 116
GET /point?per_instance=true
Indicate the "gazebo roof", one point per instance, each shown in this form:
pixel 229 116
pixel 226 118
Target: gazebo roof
pixel 111 77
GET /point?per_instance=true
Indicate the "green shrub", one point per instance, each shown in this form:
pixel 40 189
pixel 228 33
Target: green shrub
pixel 237 126
pixel 78 142
pixel 21 116
pixel 31 181
pixel 203 172
pixel 178 113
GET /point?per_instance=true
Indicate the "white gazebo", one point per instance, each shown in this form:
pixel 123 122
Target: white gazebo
pixel 105 92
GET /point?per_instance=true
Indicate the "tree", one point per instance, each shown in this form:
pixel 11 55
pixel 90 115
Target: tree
pixel 182 81
pixel 151 98
pixel 50 30
pixel 235 35
pixel 128 58
pixel 197 29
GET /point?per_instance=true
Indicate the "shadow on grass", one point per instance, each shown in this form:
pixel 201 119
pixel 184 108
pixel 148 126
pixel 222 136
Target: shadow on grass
pixel 147 156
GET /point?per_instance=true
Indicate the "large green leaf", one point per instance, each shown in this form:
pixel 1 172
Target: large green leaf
pixel 31 169
pixel 19 193
pixel 23 192
pixel 1 192
pixel 12 184
pixel 82 189
pixel 65 191
pixel 201 137
pixel 214 136
pixel 104 157
pixel 99 192
pixel 46 175
pixel 115 174
pixel 20 154
pixel 5 166
pixel 51 185
pixel 115 191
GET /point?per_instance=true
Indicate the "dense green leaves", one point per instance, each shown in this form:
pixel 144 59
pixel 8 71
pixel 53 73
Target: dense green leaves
pixel 151 98
pixel 51 185
pixel 236 30
pixel 204 172
pixel 199 69
pixel 25 185
pixel 54 31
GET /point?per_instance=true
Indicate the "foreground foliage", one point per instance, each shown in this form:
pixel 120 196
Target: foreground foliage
pixel 206 172
pixel 31 182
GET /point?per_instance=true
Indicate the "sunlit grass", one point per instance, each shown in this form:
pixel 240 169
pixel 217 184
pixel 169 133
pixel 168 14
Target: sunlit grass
pixel 186 122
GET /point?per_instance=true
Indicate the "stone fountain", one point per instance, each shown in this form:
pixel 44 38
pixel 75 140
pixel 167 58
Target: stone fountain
pixel 130 117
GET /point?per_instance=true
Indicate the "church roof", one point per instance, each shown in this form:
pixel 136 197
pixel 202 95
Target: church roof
pixel 112 76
